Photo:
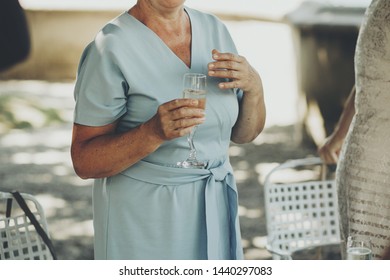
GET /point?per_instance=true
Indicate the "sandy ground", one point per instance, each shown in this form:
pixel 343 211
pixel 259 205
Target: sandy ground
pixel 36 159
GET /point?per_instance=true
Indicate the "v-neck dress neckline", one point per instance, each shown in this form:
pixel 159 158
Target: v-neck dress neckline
pixel 156 38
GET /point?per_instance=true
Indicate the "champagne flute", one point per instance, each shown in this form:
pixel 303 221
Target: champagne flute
pixel 194 86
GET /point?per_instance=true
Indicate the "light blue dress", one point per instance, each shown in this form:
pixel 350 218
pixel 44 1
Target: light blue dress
pixel 154 210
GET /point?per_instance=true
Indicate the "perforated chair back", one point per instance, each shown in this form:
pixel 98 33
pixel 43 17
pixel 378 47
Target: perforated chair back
pixel 300 215
pixel 19 239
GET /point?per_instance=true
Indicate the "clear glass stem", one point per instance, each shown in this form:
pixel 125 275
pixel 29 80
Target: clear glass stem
pixel 190 139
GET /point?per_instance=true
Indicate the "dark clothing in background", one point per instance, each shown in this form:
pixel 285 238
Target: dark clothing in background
pixel 14 34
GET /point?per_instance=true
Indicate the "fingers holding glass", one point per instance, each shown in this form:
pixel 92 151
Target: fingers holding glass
pixel 176 118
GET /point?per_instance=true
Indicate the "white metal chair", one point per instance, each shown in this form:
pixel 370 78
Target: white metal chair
pixel 300 215
pixel 19 237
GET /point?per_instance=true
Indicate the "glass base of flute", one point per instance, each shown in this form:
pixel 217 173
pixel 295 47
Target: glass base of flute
pixel 194 86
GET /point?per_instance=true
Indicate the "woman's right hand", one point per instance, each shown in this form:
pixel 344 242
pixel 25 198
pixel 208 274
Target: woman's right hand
pixel 176 118
pixel 330 150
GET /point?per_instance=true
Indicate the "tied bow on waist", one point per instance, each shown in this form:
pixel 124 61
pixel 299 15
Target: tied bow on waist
pixel 217 171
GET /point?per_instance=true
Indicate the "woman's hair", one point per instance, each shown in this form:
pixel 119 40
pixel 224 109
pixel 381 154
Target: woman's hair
pixel 14 34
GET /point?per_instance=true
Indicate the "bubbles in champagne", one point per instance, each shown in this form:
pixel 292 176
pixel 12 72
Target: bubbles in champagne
pixel 196 94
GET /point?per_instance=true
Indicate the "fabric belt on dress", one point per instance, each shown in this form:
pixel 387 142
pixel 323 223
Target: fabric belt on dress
pixel 217 171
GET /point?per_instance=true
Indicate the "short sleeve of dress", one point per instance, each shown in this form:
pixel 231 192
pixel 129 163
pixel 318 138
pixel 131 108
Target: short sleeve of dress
pixel 100 90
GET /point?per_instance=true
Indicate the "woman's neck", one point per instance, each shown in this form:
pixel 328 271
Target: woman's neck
pixel 157 17
pixel 171 24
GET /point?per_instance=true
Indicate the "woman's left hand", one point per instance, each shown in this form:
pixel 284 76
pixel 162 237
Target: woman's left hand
pixel 235 68
pixel 240 74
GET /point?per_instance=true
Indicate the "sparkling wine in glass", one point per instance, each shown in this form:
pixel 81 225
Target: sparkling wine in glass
pixel 194 86
pixel 358 248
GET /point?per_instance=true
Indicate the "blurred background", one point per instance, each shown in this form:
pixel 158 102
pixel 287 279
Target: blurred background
pixel 302 49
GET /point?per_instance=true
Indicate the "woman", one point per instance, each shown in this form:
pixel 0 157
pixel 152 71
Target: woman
pixel 363 172
pixel 130 126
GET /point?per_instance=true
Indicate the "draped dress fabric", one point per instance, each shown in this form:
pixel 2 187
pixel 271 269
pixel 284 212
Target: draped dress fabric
pixel 155 210
pixel 363 175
